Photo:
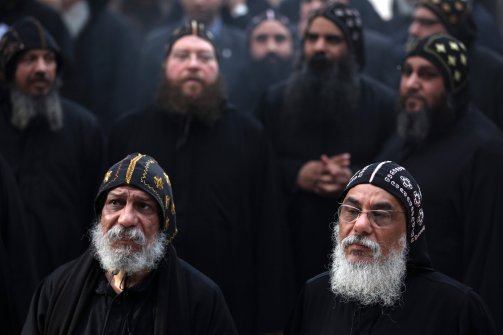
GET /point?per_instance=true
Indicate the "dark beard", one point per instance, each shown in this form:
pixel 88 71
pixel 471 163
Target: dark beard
pixel 206 107
pixel 322 91
pixel 267 71
pixel 416 127
pixel 26 108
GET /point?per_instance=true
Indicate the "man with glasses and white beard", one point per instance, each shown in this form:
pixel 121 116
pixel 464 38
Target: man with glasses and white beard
pixel 381 280
pixel 130 281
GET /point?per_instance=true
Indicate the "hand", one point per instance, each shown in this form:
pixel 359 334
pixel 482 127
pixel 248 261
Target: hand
pixel 309 174
pixel 336 174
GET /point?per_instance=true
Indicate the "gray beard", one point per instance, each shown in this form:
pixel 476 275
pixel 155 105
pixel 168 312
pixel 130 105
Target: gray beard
pixel 413 127
pixel 123 259
pixel 379 282
pixel 25 108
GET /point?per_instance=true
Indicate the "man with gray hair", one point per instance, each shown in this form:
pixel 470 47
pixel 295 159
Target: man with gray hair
pixel 131 279
pixel 381 280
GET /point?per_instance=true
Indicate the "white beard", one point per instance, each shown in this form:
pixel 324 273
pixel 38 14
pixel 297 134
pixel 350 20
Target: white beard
pixel 123 258
pixel 377 282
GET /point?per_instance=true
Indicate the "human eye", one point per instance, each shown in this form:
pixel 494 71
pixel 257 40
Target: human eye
pixel 311 37
pixel 406 70
pixel 180 55
pixel 349 213
pixel 427 73
pixel 261 38
pixel 114 203
pixel 206 57
pixel 334 39
pixel 381 217
pixel 280 38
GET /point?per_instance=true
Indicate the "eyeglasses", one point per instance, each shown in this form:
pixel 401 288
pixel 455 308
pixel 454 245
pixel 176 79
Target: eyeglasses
pixel 378 217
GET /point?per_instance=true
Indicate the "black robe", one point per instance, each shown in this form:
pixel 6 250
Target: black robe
pixel 459 171
pixel 431 304
pixel 57 173
pixel 228 208
pixel 17 275
pixel 177 299
pixel 309 215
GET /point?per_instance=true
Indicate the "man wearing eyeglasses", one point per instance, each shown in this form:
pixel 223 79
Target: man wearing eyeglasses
pixel 381 280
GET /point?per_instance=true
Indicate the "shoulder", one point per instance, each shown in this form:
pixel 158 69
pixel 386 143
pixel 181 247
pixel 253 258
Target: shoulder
pixel 371 86
pixel 75 113
pixel 197 280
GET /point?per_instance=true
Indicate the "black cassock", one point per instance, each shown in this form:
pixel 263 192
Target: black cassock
pixel 228 209
pixel 173 299
pixel 459 172
pixel 298 140
pixel 432 304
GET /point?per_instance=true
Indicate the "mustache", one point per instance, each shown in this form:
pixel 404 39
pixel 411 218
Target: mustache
pixel 361 240
pixel 133 234
pixel 39 77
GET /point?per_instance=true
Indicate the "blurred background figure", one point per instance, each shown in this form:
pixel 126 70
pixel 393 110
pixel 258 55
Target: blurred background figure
pixel 102 76
pixel 270 58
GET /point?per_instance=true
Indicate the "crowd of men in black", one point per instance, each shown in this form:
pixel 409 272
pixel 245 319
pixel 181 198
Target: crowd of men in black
pixel 260 113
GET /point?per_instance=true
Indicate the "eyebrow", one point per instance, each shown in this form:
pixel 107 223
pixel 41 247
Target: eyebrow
pixel 382 205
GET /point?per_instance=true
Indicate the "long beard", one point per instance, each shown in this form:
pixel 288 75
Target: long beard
pixel 206 107
pixel 123 258
pixel 322 91
pixel 379 282
pixel 26 108
pixel 265 72
pixel 416 127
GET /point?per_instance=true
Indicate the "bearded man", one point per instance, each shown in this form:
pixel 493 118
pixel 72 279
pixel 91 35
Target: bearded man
pixel 455 17
pixel 53 146
pixel 456 153
pixel 324 121
pixel 381 280
pixel 270 58
pixel 220 160
pixel 131 279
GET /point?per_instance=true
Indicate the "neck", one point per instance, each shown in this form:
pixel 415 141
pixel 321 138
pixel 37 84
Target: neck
pixel 121 281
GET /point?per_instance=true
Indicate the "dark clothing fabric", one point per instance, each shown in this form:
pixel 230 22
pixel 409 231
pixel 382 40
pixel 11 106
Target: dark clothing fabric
pixel 173 299
pixel 13 10
pixel 231 53
pixel 432 303
pixel 458 170
pixel 380 61
pixel 17 276
pixel 58 173
pixel 486 77
pixel 103 76
pixel 227 204
pixel 308 214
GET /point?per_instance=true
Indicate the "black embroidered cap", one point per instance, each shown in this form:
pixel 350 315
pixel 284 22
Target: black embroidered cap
pixel 396 180
pixel 455 15
pixel 143 172
pixel 348 19
pixel 25 34
pixel 267 15
pixel 195 28
pixel 449 55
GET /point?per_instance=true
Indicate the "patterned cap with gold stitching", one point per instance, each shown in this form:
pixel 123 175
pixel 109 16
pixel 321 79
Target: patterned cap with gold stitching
pixel 143 172
pixel 455 15
pixel 449 55
pixel 194 28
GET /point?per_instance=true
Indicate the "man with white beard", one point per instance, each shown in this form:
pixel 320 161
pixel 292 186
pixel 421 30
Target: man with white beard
pixel 381 280
pixel 130 280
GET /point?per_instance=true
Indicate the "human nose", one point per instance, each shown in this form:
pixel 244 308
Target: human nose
pixel 128 217
pixel 411 81
pixel 41 64
pixel 362 223
pixel 414 29
pixel 319 44
pixel 271 45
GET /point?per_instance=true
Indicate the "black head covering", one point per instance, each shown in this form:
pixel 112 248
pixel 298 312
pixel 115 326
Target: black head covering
pixel 450 57
pixel 455 15
pixel 192 27
pixel 25 34
pixel 397 181
pixel 348 19
pixel 143 172
pixel 267 15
